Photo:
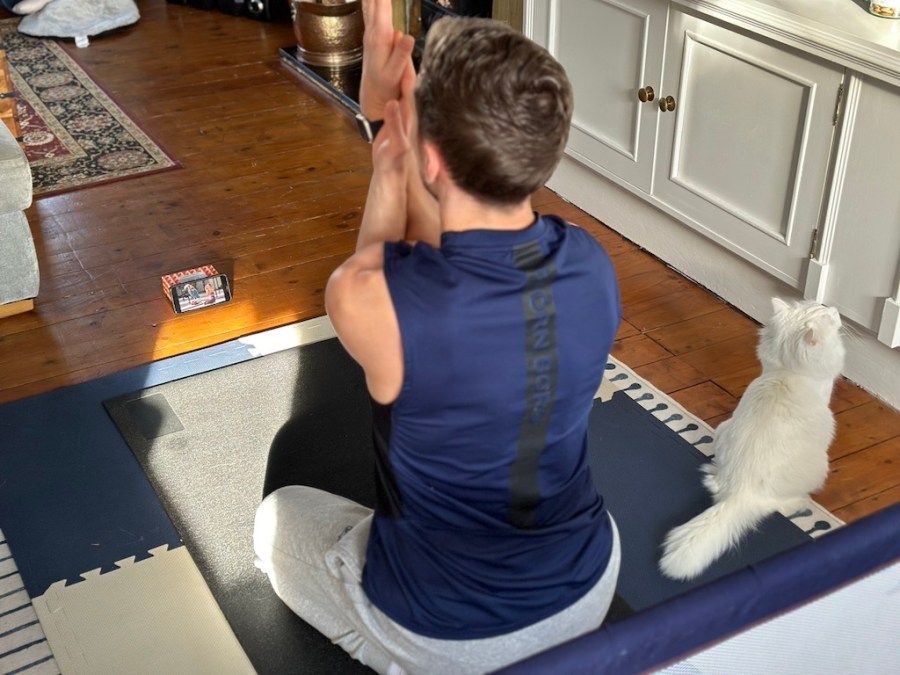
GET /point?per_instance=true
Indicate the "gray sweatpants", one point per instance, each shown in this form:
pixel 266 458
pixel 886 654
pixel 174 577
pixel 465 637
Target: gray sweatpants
pixel 312 546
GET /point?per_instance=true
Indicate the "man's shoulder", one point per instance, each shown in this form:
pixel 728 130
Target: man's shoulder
pixel 418 263
pixel 577 237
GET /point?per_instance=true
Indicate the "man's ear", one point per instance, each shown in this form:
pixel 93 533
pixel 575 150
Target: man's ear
pixel 432 162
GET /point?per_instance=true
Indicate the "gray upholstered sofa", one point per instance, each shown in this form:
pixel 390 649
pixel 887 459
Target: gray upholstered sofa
pixel 19 278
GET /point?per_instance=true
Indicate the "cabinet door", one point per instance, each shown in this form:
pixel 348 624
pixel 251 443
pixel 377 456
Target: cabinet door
pixel 863 256
pixel 744 155
pixel 610 50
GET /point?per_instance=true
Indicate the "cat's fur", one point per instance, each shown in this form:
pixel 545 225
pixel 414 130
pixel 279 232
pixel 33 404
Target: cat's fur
pixel 773 451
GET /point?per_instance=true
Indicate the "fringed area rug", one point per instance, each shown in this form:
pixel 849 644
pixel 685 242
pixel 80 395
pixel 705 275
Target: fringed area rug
pixel 73 133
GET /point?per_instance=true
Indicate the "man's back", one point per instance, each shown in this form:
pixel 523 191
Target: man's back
pixel 505 335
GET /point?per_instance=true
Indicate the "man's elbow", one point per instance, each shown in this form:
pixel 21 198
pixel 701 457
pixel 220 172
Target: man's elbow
pixel 336 293
pixel 353 286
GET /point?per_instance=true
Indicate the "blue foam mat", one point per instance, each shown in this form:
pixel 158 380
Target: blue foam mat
pixel 72 496
pixel 650 478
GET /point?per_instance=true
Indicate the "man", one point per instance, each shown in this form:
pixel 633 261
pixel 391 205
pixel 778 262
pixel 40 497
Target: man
pixel 483 330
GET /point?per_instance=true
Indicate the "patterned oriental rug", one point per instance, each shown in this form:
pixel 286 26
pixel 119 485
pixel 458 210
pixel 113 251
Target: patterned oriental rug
pixel 74 135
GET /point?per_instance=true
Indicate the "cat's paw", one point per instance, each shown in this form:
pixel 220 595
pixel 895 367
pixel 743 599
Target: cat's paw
pixel 709 468
pixel 710 479
pixel 793 505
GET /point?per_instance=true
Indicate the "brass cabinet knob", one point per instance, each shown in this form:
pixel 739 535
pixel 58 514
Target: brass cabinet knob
pixel 646 94
pixel 667 104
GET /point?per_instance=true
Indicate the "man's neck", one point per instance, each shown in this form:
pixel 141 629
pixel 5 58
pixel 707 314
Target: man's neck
pixel 460 212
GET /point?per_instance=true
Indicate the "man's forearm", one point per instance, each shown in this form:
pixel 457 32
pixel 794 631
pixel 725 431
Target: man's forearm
pixel 385 212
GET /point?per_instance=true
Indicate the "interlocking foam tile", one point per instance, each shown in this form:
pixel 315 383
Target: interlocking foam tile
pixel 152 616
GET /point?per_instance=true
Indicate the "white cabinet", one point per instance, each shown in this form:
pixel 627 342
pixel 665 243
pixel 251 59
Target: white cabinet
pixel 743 142
pixel 858 268
pixel 744 156
pixel 610 49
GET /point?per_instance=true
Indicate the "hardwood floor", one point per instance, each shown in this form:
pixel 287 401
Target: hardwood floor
pixel 270 191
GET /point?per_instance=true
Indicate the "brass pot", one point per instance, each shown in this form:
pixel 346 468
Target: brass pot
pixel 328 33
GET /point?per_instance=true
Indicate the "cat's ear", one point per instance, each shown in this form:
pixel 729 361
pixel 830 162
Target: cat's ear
pixel 816 330
pixel 779 305
pixel 810 337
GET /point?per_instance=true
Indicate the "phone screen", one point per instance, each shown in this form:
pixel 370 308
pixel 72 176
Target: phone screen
pixel 199 293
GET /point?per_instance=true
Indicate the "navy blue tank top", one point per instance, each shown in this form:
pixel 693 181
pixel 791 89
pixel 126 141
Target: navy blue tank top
pixel 487 518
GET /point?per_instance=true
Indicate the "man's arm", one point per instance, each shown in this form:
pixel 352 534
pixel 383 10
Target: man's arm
pixel 385 213
pixel 357 299
pixel 388 75
pixel 359 305
pixel 423 222
pixel 398 206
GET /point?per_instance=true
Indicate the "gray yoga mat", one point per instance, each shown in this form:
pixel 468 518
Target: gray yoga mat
pixel 203 442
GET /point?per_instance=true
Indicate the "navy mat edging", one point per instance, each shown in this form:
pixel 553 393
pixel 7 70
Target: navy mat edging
pixel 661 635
pixel 72 496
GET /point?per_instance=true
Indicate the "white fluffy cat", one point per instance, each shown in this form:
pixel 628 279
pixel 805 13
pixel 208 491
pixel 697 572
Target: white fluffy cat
pixel 773 451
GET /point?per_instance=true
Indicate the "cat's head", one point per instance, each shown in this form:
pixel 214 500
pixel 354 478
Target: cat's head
pixel 803 336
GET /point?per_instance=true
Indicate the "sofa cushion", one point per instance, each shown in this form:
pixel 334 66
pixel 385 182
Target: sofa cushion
pixel 19 276
pixel 15 174
pixel 79 19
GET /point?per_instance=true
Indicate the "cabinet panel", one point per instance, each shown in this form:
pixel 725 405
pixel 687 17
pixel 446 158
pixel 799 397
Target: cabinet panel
pixel 610 50
pixel 723 88
pixel 864 256
pixel 744 155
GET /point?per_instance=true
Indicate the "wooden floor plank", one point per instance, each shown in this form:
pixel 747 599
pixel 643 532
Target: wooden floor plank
pixel 856 479
pixel 702 331
pixel 670 308
pixel 672 374
pixel 864 426
pixel 706 400
pixel 864 507
pixel 638 350
pixel 737 354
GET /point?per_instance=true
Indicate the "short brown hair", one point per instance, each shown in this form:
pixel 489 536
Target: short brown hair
pixel 497 106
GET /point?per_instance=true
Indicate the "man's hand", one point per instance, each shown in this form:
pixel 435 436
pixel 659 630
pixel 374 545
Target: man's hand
pixel 385 215
pixel 391 147
pixel 387 59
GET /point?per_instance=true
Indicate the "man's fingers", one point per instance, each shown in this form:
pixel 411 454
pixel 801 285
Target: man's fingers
pixel 378 16
pixel 403 42
pixel 407 97
pixel 394 116
pixel 401 55
pixel 408 81
pixel 392 119
pixel 392 142
pixel 386 55
pixel 378 28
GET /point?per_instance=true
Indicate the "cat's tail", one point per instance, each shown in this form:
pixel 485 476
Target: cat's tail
pixel 691 548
